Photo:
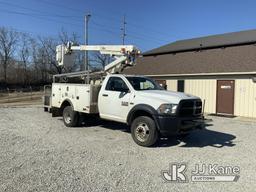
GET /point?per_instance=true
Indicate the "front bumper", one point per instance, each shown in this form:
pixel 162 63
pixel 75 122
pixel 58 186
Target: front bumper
pixel 171 125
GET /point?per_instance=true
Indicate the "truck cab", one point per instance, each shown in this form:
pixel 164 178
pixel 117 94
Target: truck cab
pixel 149 109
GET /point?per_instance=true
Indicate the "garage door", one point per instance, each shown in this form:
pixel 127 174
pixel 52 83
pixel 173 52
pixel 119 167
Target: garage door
pixel 225 96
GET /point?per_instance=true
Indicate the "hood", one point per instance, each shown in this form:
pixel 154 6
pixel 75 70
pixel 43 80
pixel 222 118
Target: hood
pixel 165 96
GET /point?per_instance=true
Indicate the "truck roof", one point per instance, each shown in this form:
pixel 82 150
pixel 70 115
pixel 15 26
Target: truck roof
pixel 125 75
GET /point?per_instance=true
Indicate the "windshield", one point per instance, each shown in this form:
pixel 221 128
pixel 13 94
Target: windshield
pixel 143 83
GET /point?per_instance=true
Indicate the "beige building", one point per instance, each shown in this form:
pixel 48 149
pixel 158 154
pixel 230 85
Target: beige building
pixel 220 69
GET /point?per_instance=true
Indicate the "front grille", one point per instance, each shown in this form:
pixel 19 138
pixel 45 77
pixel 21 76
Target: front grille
pixel 188 108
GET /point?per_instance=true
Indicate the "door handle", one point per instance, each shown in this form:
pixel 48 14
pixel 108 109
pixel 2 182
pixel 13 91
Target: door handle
pixel 105 95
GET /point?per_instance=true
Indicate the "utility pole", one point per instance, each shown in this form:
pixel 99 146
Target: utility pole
pixel 86 59
pixel 123 29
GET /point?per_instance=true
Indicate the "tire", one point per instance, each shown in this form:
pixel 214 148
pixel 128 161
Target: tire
pixel 70 117
pixel 144 131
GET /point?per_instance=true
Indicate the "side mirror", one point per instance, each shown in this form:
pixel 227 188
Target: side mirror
pixel 126 90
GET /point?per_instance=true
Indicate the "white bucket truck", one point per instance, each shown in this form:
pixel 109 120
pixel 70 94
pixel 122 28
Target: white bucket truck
pixel 138 101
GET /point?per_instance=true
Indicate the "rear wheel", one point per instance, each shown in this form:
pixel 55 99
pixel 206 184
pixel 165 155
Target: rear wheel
pixel 70 117
pixel 144 131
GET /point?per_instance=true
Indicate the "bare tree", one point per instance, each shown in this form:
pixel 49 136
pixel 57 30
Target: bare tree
pixel 8 40
pixel 34 59
pixel 100 59
pixel 65 37
pixel 48 50
pixel 79 57
pixel 25 55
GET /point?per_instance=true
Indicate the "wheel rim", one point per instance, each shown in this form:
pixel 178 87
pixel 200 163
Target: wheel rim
pixel 142 132
pixel 67 117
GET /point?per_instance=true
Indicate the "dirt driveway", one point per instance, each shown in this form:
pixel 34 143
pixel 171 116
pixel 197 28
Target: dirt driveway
pixel 38 153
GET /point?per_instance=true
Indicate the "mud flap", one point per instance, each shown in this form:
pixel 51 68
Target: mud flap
pixel 56 112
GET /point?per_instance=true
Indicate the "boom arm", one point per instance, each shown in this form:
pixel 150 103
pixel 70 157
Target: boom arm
pixel 104 49
pixel 124 55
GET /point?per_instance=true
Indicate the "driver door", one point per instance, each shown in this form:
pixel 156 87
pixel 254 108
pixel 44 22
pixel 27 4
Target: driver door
pixel 114 100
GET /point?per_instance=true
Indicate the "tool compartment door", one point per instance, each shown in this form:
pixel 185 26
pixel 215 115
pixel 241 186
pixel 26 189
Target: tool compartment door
pixel 56 95
pixel 82 98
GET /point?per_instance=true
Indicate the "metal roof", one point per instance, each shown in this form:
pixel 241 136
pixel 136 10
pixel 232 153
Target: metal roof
pixel 214 41
pixel 234 59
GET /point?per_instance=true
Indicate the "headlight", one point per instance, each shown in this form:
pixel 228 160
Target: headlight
pixel 167 109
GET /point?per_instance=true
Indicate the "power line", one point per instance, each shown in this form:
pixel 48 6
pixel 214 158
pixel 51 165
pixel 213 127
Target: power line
pixel 116 33
pixel 38 11
pixel 104 17
pixel 135 25
pixel 60 5
pixel 97 25
pixel 46 2
pixel 38 17
pixel 109 18
pixel 43 15
pixel 131 33
pixel 149 29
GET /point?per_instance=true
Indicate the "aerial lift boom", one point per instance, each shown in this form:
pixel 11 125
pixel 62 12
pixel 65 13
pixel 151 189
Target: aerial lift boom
pixel 123 56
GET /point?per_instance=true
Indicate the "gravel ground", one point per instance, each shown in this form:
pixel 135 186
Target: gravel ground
pixel 38 153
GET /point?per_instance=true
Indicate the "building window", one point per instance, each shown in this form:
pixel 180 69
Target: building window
pixel 162 83
pixel 181 86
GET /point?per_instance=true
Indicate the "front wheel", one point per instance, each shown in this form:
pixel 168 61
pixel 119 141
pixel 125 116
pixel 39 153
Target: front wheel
pixel 70 117
pixel 144 131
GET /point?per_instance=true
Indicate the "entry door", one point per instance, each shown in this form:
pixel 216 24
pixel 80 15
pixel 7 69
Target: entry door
pixel 225 96
pixel 114 100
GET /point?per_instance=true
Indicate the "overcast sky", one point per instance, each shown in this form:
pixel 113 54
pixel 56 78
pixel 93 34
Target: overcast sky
pixel 150 23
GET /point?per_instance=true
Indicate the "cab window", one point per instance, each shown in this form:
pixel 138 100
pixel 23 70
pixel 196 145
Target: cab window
pixel 116 84
pixel 143 83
